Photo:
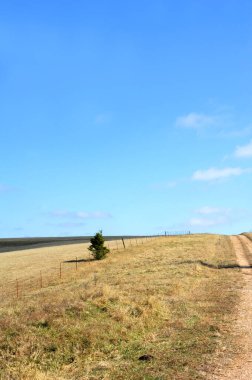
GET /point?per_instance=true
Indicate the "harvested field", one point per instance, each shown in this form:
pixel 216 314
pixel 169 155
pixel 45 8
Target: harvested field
pixel 154 302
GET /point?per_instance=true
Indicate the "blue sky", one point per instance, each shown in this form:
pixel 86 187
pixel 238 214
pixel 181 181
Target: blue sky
pixel 134 117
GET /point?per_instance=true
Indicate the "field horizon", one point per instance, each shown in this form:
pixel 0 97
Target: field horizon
pixel 20 243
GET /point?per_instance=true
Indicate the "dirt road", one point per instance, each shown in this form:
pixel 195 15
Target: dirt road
pixel 240 367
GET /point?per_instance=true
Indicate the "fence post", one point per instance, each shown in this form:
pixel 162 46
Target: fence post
pixel 123 243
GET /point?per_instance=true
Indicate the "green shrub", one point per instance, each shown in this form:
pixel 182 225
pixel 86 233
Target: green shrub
pixel 97 248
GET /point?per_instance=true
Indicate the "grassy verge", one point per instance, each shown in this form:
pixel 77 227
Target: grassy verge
pixel 248 234
pixel 145 300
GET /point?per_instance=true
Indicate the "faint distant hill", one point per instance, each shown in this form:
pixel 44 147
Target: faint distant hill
pixel 16 244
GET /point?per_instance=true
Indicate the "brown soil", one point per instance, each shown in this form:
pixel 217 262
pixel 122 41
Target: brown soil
pixel 239 366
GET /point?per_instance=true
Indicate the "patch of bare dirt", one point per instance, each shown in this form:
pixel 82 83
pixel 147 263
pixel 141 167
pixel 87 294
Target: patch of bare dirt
pixel 239 367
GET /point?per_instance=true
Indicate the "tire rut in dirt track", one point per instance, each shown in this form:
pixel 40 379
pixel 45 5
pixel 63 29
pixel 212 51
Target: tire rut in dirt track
pixel 240 368
pixel 243 251
pixel 247 246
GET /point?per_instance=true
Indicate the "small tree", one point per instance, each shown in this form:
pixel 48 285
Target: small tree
pixel 97 248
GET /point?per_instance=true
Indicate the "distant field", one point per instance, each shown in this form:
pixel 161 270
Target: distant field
pixel 38 266
pixel 15 244
pixel 25 263
pixel 29 262
pixel 153 299
pixel 25 243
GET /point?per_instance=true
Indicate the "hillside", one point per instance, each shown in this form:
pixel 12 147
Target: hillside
pixel 151 311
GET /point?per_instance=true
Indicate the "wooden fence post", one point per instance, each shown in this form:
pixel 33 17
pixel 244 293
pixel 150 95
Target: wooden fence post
pixel 123 243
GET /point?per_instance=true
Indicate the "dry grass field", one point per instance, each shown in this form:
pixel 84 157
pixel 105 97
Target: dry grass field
pixel 153 299
pixel 33 266
pixel 19 264
pixel 29 262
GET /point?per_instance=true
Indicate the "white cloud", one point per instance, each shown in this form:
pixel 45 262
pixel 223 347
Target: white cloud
pixel 221 123
pixel 207 222
pixel 206 210
pixel 195 121
pixel 214 174
pixel 210 217
pixel 80 214
pixel 244 151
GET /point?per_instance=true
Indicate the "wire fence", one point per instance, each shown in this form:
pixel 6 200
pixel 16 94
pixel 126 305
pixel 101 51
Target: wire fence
pixel 176 233
pixel 63 271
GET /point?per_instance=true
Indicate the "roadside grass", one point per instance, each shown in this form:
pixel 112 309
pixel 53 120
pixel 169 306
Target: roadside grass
pixel 145 300
pixel 248 234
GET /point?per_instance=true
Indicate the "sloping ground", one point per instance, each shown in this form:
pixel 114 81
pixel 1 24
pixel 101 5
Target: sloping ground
pixel 28 263
pixel 238 365
pixel 33 268
pixel 248 235
pixel 154 302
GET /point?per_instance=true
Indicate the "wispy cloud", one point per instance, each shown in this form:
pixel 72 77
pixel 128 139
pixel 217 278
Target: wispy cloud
pixel 210 216
pixel 221 124
pixel 69 224
pixel 66 224
pixel 80 214
pixel 206 210
pixel 239 132
pixel 196 121
pixel 214 174
pixel 206 222
pixel 244 151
